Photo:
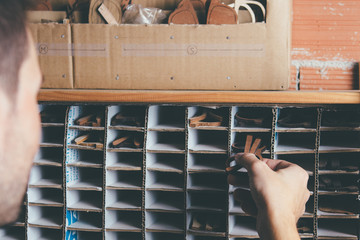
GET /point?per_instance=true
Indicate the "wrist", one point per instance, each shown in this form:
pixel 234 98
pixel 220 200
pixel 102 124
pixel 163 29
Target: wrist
pixel 276 225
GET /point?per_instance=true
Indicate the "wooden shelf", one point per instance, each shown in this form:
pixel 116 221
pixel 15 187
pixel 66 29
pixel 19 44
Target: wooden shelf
pixel 206 97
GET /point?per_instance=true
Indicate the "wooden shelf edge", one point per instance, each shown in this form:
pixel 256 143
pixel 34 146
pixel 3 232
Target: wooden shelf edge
pixel 157 96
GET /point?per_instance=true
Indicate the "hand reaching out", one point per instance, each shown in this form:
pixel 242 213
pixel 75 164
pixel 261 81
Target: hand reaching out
pixel 278 195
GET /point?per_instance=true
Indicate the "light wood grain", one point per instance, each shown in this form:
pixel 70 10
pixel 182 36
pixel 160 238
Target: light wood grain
pixel 208 97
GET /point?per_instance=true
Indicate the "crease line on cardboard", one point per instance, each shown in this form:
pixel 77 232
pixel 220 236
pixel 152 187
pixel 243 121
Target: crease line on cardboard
pixel 206 50
pixel 64 49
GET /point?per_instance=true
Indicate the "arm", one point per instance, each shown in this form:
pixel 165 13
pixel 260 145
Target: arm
pixel 278 195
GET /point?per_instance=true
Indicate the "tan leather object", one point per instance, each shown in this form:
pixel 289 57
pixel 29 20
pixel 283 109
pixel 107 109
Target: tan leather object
pixel 43 5
pixel 199 7
pixel 124 4
pixel 206 119
pixel 184 14
pixel 114 7
pixel 250 147
pixel 219 13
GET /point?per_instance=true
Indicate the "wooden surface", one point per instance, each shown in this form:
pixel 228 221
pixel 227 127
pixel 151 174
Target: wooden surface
pixel 133 96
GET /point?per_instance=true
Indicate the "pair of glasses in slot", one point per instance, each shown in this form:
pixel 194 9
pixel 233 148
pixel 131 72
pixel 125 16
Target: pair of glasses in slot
pixel 249 6
pixel 250 147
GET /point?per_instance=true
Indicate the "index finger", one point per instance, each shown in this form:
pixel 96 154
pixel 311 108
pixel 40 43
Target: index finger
pixel 248 160
pixel 275 164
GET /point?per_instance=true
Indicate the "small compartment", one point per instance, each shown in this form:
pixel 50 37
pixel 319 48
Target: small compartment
pixel 84 200
pixel 206 223
pixel 166 118
pixel 208 141
pixel 164 201
pixel 305 226
pixel 83 235
pixel 333 183
pixel 52 136
pixel 208 118
pixel 124 180
pixel 94 121
pixel 259 118
pixel 125 140
pixel 165 162
pixel 89 235
pixel 91 140
pixel 45 196
pixel 239 140
pixel 20 221
pixel 128 221
pixel 163 236
pixel 126 116
pixel 198 162
pixel 123 200
pixel 196 237
pixel 311 183
pixel 130 161
pixel 339 162
pixel 340 141
pixel 243 181
pixel 206 201
pixel 242 226
pixel 51 217
pixel 164 222
pixel 306 161
pixel 338 228
pixel 287 142
pixel 87 117
pixel 166 141
pixel 309 207
pixel 335 118
pixel 254 238
pixel 338 205
pixel 84 178
pixel 336 238
pixel 12 233
pixel 123 235
pixel 305 118
pixel 52 115
pixel 234 206
pixel 49 157
pixel 164 181
pixel 44 233
pixel 46 177
pixel 85 158
pixel 86 221
pixel 207 181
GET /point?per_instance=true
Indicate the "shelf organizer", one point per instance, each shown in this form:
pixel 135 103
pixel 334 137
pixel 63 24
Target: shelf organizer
pixel 156 189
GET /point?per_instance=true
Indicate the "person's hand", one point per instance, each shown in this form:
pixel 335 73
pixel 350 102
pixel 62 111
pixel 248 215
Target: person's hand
pixel 278 195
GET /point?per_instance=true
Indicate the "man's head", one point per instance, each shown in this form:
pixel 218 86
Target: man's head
pixel 20 79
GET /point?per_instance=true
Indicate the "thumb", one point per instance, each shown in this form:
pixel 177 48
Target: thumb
pixel 249 161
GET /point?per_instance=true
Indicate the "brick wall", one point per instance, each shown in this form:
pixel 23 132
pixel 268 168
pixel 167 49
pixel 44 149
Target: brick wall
pixel 325 45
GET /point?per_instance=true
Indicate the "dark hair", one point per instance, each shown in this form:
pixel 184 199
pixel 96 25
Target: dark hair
pixel 13 43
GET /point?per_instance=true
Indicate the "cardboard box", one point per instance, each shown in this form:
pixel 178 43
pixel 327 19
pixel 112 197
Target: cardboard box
pixel 53 46
pixel 202 57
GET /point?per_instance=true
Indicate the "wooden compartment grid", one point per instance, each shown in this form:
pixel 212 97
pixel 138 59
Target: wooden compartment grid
pixel 154 191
